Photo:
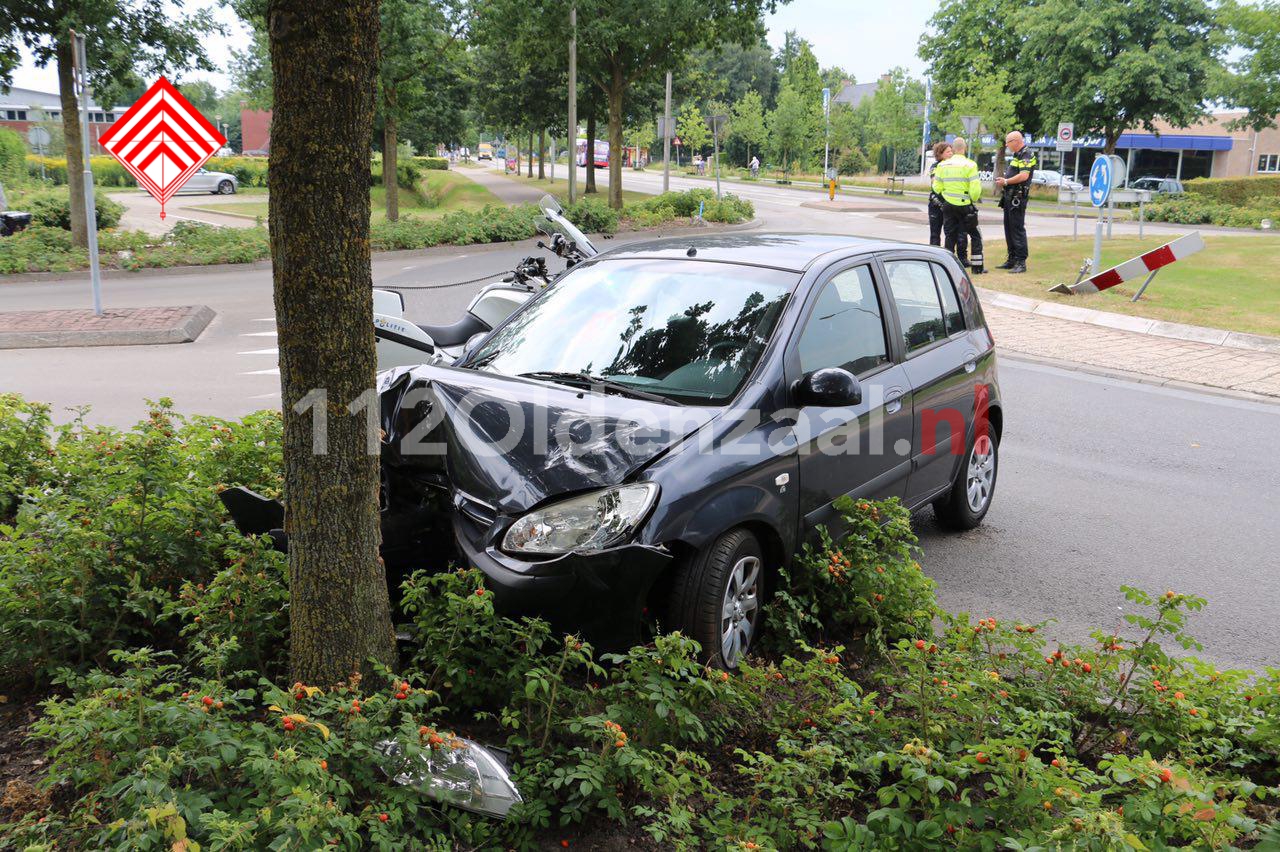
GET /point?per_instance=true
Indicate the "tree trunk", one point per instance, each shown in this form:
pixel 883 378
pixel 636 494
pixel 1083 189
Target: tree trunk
pixel 1111 137
pixel 323 55
pixel 590 155
pixel 616 87
pixel 530 174
pixel 71 133
pixel 997 167
pixel 542 151
pixel 391 157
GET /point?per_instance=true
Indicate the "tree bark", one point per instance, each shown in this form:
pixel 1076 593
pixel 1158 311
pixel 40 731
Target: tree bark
pixel 324 54
pixel 71 133
pixel 590 155
pixel 542 153
pixel 391 156
pixel 616 87
pixel 530 154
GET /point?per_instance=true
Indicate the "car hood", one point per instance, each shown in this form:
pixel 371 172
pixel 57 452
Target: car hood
pixel 513 443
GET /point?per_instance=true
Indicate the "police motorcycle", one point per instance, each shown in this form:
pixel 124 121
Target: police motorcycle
pixel 402 342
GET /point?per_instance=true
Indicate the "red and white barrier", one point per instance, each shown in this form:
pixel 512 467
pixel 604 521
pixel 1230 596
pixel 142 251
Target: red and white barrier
pixel 1143 264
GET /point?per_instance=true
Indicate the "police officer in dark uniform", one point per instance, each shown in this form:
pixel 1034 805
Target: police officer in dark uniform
pixel 941 151
pixel 1016 186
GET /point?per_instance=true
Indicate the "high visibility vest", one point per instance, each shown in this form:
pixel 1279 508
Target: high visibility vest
pixel 956 180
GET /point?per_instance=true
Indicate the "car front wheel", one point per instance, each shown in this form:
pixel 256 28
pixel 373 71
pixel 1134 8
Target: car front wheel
pixel 717 595
pixel 226 188
pixel 966 504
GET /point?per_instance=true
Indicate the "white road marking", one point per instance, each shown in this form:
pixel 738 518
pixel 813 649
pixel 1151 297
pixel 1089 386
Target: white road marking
pixel 259 334
pixel 274 371
pixel 260 352
pixel 266 395
pixel 263 319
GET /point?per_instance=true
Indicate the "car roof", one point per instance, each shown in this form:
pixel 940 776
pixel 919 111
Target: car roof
pixel 792 252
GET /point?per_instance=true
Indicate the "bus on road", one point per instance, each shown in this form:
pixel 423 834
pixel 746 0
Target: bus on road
pixel 601 153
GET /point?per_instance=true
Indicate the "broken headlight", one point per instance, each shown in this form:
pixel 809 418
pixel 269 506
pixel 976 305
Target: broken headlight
pixel 589 522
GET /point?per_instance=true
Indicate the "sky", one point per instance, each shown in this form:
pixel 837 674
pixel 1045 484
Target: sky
pixel 865 38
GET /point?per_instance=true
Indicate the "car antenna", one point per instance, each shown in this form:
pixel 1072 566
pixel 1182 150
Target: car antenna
pixel 692 252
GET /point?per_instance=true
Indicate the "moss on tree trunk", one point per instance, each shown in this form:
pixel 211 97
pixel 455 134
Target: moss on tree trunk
pixel 323 54
pixel 71 133
pixel 391 157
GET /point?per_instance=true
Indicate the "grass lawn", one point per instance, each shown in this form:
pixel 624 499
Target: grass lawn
pixel 440 192
pixel 560 189
pixel 1233 284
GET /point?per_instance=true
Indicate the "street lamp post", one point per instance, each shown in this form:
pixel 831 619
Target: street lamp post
pixel 666 139
pixel 81 84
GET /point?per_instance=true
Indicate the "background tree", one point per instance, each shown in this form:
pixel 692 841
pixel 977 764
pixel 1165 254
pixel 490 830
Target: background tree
pixel 1111 65
pixel 984 94
pixel 1252 79
pixel 125 40
pixel 790 128
pixel 692 128
pixel 615 51
pixel 747 122
pixel 895 116
pixel 324 58
pixel 417 40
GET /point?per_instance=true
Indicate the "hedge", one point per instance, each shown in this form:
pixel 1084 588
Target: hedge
pixel 1194 209
pixel 248 171
pixel 1240 191
pixel 12 152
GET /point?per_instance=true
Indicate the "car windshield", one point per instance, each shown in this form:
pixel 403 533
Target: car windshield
pixel 687 331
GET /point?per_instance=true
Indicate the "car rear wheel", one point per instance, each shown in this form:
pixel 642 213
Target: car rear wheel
pixel 717 595
pixel 969 499
pixel 226 188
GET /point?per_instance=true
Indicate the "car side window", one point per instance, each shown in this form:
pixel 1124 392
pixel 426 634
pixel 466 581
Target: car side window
pixel 915 297
pixel 846 327
pixel 952 314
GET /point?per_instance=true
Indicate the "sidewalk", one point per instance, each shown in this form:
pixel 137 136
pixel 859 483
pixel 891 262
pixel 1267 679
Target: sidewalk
pixel 1146 357
pixel 507 190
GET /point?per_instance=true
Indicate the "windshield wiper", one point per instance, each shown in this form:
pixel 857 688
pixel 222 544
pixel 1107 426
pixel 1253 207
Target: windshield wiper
pixel 587 380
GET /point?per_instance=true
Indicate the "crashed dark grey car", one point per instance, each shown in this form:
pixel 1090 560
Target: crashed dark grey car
pixel 650 438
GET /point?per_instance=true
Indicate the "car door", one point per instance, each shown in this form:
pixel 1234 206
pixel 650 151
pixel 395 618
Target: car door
pixel 940 361
pixel 199 182
pixel 860 450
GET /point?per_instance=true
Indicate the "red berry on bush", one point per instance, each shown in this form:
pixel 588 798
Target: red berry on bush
pixel 1087 668
pixel 207 701
pixel 982 758
pixel 919 644
pixel 383 817
pixel 400 696
pixel 288 725
pixel 479 593
pixel 1166 775
pixel 1055 762
pixel 324 764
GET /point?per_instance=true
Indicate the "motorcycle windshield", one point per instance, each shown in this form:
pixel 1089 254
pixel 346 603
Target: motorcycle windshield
pixel 556 220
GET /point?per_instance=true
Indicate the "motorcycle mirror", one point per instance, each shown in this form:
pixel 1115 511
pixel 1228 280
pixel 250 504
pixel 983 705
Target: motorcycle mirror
pixel 472 342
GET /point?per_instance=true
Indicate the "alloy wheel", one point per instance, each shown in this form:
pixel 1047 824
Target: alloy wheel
pixel 740 610
pixel 981 474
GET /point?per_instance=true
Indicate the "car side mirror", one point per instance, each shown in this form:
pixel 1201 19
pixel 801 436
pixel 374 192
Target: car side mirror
pixel 472 342
pixel 830 386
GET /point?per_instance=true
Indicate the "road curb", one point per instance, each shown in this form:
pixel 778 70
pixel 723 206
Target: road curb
pixel 195 321
pixel 1132 324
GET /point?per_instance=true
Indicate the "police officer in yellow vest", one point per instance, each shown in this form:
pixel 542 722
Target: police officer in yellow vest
pixel 956 180
pixel 1016 186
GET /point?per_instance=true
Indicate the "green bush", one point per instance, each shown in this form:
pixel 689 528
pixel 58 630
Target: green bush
pixel 593 216
pixel 876 720
pixel 13 155
pixel 439 164
pixel 1239 191
pixel 52 208
pixel 1194 209
pixel 110 525
pixel 248 171
pixel 408 172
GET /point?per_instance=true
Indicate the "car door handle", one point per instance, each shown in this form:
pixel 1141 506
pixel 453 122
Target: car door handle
pixel 970 361
pixel 893 401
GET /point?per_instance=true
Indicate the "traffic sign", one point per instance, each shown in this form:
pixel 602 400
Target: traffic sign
pixel 162 140
pixel 39 138
pixel 1100 179
pixel 1066 135
pixel 970 124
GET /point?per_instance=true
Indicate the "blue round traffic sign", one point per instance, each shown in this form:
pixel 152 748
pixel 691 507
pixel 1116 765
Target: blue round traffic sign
pixel 1100 181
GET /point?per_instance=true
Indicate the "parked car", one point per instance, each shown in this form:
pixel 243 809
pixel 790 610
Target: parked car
pixel 1163 186
pixel 219 183
pixel 1051 177
pixel 654 435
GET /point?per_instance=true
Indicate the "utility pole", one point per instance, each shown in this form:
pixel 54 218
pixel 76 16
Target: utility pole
pixel 826 148
pixel 666 139
pixel 715 141
pixel 573 104
pixel 924 140
pixel 81 77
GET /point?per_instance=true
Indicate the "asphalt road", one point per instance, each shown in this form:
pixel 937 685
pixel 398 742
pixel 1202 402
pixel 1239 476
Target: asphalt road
pixel 1103 482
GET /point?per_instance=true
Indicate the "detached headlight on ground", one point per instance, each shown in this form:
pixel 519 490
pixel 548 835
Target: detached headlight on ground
pixel 583 524
pixel 466 775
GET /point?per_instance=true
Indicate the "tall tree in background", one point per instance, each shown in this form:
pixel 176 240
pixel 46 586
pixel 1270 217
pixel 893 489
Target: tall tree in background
pixel 692 127
pixel 1252 79
pixel 123 39
pixel 984 94
pixel 324 58
pixel 1112 65
pixel 790 128
pixel 747 122
pixel 622 43
pixel 895 114
pixel 416 40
